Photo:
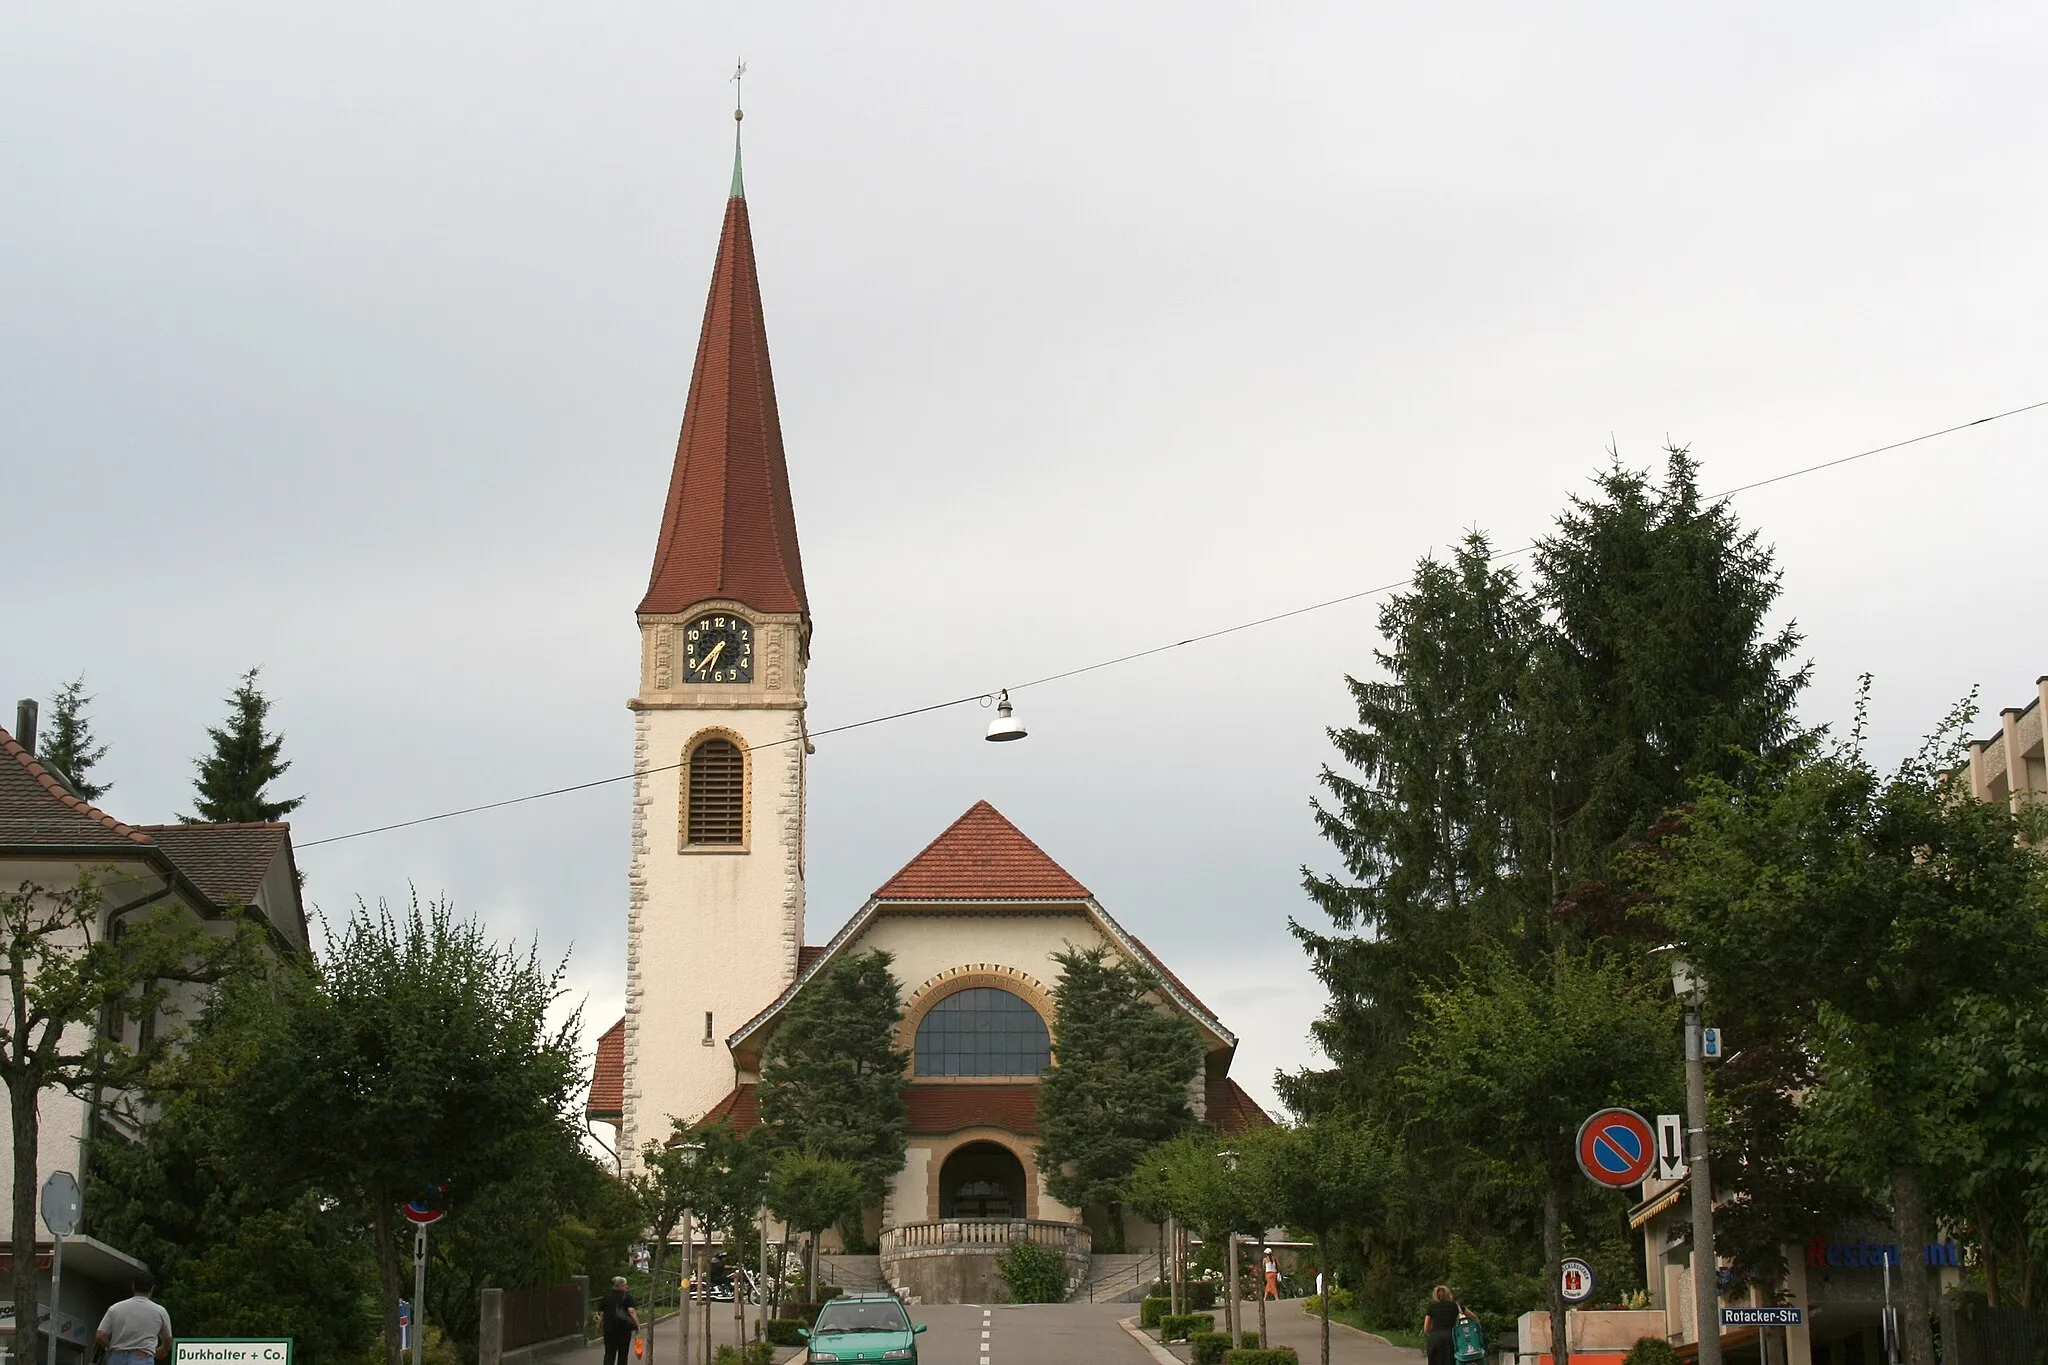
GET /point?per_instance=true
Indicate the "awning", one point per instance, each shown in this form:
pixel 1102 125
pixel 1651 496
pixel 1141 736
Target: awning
pixel 1650 1208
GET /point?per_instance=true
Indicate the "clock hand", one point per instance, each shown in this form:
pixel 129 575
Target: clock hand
pixel 712 657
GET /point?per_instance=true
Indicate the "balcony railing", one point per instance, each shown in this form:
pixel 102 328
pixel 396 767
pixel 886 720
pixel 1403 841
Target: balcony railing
pixel 984 1234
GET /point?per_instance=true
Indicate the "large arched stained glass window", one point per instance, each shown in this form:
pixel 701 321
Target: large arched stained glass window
pixel 982 1031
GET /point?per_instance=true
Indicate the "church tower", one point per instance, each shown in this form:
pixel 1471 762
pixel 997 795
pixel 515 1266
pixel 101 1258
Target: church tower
pixel 716 893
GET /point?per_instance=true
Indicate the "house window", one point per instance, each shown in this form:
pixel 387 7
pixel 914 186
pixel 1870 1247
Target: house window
pixel 715 794
pixel 982 1031
pixel 707 1028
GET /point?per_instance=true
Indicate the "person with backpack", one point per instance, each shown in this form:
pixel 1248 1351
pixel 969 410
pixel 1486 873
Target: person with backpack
pixel 1439 1321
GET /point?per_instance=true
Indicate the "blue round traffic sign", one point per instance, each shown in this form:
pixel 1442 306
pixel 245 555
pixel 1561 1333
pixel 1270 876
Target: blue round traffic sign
pixel 1617 1148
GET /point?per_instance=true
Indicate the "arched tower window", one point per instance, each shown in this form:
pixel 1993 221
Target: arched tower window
pixel 982 1031
pixel 715 794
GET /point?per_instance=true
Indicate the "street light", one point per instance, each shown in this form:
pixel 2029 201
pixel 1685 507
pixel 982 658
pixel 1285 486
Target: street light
pixel 1005 726
pixel 1706 1267
pixel 693 1152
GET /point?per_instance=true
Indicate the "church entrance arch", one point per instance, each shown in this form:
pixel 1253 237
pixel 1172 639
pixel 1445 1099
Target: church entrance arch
pixel 981 1180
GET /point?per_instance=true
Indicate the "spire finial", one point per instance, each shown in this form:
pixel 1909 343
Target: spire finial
pixel 739 112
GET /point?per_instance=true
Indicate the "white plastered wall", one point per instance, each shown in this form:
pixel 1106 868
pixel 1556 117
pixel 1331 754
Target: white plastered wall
pixel 708 930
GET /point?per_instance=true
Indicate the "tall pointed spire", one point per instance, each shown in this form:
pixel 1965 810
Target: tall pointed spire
pixel 728 530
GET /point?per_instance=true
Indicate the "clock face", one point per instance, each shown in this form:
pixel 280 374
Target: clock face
pixel 718 649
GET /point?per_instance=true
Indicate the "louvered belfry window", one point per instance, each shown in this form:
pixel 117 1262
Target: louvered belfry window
pixel 717 794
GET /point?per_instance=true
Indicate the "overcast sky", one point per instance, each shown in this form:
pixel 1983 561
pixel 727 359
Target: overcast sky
pixel 352 341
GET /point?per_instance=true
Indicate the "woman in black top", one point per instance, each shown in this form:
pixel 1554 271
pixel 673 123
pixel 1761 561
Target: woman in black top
pixel 620 1317
pixel 1437 1321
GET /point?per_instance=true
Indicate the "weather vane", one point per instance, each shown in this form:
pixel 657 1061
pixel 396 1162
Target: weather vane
pixel 738 74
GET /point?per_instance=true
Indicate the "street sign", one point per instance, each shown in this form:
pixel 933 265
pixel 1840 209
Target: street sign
pixel 1776 1315
pixel 1671 1147
pixel 231 1351
pixel 1575 1278
pixel 1617 1148
pixel 423 1211
pixel 61 1204
pixel 1710 1044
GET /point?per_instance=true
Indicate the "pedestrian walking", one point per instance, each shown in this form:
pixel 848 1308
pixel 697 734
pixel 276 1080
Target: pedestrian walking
pixel 619 1316
pixel 137 1330
pixel 1272 1277
pixel 1439 1321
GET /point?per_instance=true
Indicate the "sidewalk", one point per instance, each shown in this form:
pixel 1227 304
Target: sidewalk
pixel 665 1341
pixel 1290 1326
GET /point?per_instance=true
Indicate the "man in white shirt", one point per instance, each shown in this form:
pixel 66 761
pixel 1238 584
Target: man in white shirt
pixel 137 1330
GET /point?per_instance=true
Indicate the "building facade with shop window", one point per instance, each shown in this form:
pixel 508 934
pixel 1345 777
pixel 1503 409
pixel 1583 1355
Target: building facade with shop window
pixel 716 919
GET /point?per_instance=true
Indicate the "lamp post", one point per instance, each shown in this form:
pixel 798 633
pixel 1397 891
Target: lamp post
pixel 693 1152
pixel 1706 1267
pixel 1231 1315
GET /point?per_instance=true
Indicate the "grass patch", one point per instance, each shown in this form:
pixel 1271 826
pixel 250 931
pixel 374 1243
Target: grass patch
pixel 1398 1336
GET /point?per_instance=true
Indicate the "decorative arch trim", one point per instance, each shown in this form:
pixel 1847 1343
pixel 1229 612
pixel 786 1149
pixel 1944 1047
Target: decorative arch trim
pixel 683 773
pixel 952 981
pixel 940 1149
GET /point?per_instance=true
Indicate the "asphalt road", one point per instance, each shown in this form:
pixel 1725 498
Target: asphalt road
pixel 1026 1334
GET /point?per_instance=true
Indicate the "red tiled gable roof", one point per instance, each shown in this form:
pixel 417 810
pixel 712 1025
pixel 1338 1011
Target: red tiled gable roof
pixel 938 1109
pixel 38 811
pixel 608 1075
pixel 808 954
pixel 228 862
pixel 1231 1111
pixel 738 1109
pixel 982 856
pixel 729 529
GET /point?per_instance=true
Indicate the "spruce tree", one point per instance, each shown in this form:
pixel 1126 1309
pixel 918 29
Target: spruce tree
pixel 1119 1086
pixel 832 1079
pixel 70 748
pixel 233 778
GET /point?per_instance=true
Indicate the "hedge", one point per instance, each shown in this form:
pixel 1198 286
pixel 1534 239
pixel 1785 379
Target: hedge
pixel 1179 1326
pixel 1248 1340
pixel 1340 1302
pixel 1651 1351
pixel 1209 1347
pixel 803 1314
pixel 783 1331
pixel 1201 1295
pixel 1151 1310
pixel 1279 1355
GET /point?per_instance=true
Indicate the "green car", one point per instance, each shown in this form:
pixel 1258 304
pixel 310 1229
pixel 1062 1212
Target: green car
pixel 863 1327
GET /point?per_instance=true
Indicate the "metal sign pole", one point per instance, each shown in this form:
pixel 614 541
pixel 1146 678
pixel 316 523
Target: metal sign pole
pixel 56 1285
pixel 419 1294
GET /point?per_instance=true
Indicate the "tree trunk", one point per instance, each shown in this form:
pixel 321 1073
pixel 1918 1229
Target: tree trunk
pixel 1909 1224
pixel 389 1278
pixel 1162 1255
pixel 1260 1278
pixel 21 1100
pixel 1553 1259
pixel 1989 1244
pixel 1116 1228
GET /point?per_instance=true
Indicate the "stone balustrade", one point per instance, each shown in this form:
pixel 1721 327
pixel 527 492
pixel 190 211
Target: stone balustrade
pixel 953 1260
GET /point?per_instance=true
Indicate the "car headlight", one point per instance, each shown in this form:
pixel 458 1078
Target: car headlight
pixel 823 1355
pixel 900 1353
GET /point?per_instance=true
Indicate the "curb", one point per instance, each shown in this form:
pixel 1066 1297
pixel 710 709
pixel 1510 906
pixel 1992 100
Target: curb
pixel 1144 1339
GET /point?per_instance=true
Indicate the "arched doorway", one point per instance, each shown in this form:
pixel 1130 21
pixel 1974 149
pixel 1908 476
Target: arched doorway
pixel 982 1180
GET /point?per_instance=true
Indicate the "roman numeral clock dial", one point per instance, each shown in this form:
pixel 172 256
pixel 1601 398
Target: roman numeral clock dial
pixel 718 649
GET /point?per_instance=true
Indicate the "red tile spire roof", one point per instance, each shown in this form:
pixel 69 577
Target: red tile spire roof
pixel 982 857
pixel 729 528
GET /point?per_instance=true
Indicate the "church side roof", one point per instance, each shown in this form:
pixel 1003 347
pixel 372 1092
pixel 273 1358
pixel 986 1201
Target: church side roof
pixel 982 856
pixel 1231 1111
pixel 607 1099
pixel 931 1110
pixel 728 528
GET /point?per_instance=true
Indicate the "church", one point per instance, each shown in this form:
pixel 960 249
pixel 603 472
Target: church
pixel 717 943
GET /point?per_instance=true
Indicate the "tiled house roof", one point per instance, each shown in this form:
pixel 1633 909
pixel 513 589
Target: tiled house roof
pixel 39 811
pixel 227 862
pixel 982 856
pixel 607 1100
pixel 1231 1111
pixel 728 529
pixel 933 1110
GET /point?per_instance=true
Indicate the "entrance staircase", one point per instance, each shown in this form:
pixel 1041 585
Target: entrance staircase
pixel 1120 1278
pixel 854 1274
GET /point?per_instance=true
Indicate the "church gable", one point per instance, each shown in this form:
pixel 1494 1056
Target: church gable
pixel 982 857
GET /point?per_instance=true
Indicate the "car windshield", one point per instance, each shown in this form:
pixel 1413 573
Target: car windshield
pixel 862 1315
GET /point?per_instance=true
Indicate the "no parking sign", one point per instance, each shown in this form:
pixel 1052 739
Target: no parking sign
pixel 1617 1148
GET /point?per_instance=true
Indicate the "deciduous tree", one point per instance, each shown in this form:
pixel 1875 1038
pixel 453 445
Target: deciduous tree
pixel 811 1192
pixel 1884 903
pixel 1335 1174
